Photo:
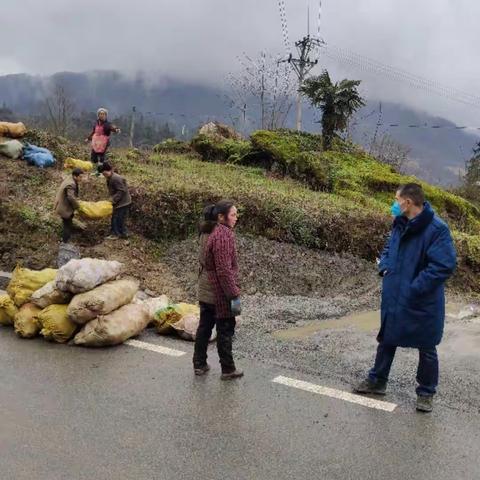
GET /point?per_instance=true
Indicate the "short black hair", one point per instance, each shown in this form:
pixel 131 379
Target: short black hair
pixel 414 192
pixel 105 167
pixel 76 172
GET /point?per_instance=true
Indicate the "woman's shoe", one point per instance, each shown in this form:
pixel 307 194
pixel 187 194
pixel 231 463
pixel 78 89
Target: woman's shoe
pixel 232 375
pixel 202 370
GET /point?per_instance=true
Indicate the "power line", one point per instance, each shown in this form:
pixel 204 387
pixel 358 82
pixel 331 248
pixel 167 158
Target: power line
pixel 283 20
pixel 424 125
pixel 397 74
pixel 319 17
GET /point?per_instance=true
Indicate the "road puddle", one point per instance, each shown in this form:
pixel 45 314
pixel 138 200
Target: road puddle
pixel 365 321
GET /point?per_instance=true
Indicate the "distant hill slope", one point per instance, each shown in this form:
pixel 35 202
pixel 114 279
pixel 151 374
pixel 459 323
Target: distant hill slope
pixel 439 153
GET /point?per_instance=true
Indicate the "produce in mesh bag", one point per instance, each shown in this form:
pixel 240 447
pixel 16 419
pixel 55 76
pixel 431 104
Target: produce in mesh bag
pixel 187 328
pixel 164 319
pixel 8 310
pixel 153 305
pixel 101 300
pixel 114 328
pixel 12 130
pixel 25 322
pixel 79 276
pixel 25 282
pixel 11 148
pixel 50 295
pixel 95 210
pixel 71 163
pixel 55 324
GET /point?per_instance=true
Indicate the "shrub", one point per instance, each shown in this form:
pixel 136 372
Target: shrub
pixel 219 149
pixel 171 145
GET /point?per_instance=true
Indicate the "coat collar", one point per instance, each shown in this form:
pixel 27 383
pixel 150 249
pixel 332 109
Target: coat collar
pixel 418 223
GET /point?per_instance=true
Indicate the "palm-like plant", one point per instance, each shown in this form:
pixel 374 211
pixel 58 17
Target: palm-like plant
pixel 337 101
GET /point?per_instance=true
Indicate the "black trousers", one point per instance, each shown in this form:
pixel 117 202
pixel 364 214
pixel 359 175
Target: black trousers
pixel 98 157
pixel 225 332
pixel 67 229
pixel 119 217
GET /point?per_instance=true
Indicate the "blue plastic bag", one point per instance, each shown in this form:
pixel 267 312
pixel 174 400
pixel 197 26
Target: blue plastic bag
pixel 38 156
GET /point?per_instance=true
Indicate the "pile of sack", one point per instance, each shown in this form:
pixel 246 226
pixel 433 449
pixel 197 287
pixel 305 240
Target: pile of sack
pixel 12 148
pixel 85 301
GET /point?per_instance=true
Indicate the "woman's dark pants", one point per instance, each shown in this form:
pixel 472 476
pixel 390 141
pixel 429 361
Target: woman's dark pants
pixel 225 332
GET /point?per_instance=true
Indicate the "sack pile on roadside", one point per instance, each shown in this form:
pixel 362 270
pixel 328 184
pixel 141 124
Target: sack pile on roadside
pixel 87 302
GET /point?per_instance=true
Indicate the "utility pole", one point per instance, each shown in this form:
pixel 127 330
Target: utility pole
pixel 377 127
pixel 132 126
pixel 302 67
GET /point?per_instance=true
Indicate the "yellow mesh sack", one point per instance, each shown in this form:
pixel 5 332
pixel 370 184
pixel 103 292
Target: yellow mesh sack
pixel 25 322
pixel 25 281
pixel 8 310
pixel 12 130
pixel 71 163
pixel 166 318
pixel 55 324
pixel 95 210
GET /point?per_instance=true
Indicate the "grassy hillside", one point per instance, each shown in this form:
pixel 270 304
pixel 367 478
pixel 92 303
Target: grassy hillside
pixel 346 212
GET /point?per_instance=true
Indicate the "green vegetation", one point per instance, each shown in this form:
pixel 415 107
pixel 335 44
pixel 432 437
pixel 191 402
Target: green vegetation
pixel 346 171
pixel 350 216
pixel 170 195
pixel 339 200
pixel 217 148
pixel 171 145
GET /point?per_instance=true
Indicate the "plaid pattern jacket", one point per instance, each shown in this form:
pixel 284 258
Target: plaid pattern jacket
pixel 222 268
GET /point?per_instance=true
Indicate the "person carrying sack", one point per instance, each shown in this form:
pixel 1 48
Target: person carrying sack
pixel 121 200
pixel 66 201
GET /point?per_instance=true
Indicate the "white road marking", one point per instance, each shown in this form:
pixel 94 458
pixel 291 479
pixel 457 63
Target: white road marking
pixel 155 348
pixel 339 394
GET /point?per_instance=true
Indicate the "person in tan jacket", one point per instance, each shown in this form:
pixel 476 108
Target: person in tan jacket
pixel 66 201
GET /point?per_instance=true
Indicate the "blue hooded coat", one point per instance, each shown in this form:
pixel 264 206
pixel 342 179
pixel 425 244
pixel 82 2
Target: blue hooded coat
pixel 417 260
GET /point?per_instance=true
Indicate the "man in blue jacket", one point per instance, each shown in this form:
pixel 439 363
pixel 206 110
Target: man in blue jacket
pixel 417 260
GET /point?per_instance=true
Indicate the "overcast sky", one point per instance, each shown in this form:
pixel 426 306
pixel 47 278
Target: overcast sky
pixel 198 40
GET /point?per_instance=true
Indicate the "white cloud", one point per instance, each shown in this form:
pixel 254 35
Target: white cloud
pixel 198 40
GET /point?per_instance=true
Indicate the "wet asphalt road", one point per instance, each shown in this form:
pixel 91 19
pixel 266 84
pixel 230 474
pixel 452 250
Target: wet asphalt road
pixel 125 413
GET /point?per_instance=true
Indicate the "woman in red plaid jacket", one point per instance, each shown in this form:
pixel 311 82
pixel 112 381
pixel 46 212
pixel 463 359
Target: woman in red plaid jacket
pixel 219 293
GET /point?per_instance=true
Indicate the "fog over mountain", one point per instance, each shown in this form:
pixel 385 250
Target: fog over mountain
pixel 439 153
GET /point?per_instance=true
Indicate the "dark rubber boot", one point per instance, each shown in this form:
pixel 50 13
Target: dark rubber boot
pixel 367 386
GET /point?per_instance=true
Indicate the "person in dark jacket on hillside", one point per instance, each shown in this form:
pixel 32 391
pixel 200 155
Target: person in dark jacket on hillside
pixel 66 201
pixel 100 136
pixel 121 200
pixel 219 292
pixel 417 260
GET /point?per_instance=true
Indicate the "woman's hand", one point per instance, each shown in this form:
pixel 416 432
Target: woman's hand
pixel 236 307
